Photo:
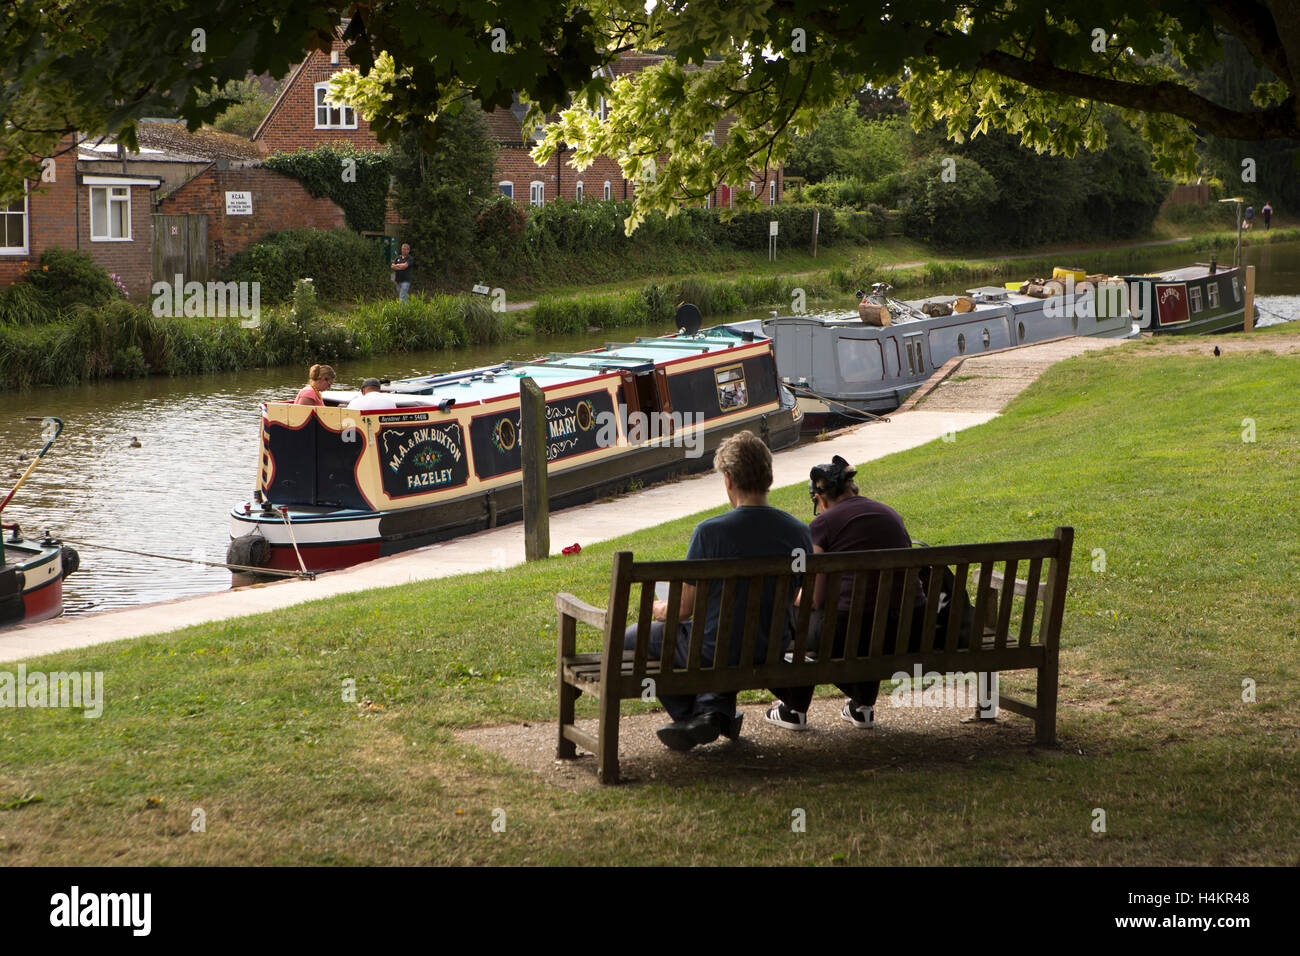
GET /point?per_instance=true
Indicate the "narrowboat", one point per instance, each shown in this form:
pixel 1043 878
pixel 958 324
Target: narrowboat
pixel 844 365
pixel 337 486
pixel 32 572
pixel 1190 300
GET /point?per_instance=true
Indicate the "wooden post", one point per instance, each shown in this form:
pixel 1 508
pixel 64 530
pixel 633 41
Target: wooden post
pixel 532 428
pixel 1250 299
pixel 817 219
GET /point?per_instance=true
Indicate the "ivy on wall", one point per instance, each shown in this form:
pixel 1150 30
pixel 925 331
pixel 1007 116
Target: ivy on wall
pixel 355 179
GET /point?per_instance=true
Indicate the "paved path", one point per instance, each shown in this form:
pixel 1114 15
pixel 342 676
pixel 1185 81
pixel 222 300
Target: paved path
pixel 586 525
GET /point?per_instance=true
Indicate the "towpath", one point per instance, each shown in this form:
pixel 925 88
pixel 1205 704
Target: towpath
pixel 981 397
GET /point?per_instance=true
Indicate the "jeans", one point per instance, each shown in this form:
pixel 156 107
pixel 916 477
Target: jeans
pixel 682 706
pixel 403 290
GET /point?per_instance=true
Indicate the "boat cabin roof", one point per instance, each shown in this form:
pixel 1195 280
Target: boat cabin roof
pixel 1198 271
pixel 502 381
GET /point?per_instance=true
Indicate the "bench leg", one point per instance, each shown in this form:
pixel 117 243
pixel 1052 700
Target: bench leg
pixel 565 749
pixel 1045 722
pixel 607 759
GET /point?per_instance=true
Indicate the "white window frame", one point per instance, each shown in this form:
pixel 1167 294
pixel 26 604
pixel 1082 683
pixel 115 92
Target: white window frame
pixel 1194 298
pixel 609 190
pixel 710 138
pixel 771 193
pixel 27 228
pixel 323 103
pixel 506 188
pixel 753 187
pixel 603 111
pixel 1212 295
pixel 578 191
pixel 112 198
pixel 537 193
pixel 708 201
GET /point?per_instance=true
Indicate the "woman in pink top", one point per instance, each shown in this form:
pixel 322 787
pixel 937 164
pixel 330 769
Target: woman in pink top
pixel 322 377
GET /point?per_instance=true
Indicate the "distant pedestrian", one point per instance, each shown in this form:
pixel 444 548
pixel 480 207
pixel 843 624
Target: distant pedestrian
pixel 320 378
pixel 403 267
pixel 1267 213
pixel 1249 217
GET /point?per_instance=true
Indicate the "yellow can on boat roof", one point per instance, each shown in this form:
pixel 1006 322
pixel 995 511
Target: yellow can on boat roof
pixel 1059 273
pixel 1013 286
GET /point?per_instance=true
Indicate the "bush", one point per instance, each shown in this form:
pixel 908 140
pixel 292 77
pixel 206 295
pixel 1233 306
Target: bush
pixel 68 278
pixel 342 265
pixel 957 211
pixel 21 304
pixel 363 199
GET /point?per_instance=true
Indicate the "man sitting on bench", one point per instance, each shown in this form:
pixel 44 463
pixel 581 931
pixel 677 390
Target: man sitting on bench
pixel 752 529
pixel 847 521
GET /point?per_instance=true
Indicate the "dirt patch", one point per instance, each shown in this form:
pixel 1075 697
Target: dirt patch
pixel 1205 345
pixel 905 738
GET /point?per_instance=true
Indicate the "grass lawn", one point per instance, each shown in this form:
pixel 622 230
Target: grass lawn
pixel 1142 453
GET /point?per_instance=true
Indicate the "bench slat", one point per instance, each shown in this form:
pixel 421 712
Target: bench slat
pixel 672 625
pixel 879 617
pixel 1004 612
pixel 752 607
pixel 776 625
pixel 953 637
pixel 1031 602
pixel 799 648
pixel 857 610
pixel 697 625
pixel 830 614
pixel 931 620
pixel 911 581
pixel 982 589
pixel 644 620
pixel 726 612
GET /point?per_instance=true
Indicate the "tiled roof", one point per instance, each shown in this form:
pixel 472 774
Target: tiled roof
pixel 165 141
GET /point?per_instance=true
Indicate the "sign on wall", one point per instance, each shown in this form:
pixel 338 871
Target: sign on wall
pixel 239 204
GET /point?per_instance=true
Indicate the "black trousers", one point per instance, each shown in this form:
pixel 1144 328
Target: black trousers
pixel 863 693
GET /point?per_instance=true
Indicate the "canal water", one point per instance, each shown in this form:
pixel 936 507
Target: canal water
pixel 198 446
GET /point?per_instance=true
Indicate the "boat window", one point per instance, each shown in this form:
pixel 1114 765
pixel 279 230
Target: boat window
pixel 961 343
pixel 1194 294
pixel 1212 291
pixel 911 363
pixel 985 336
pixel 1074 320
pixel 731 387
pixel 1236 289
pixel 860 360
pixel 1020 330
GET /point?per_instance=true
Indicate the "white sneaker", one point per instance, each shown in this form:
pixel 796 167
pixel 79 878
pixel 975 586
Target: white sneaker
pixel 864 718
pixel 783 716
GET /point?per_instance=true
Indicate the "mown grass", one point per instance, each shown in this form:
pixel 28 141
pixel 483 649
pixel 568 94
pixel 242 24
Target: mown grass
pixel 1141 453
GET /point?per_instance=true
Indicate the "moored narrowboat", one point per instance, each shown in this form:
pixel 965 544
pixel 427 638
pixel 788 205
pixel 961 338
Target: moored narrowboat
pixel 1190 300
pixel 338 486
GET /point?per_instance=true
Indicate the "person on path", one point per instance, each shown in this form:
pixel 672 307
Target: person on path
pixel 320 378
pixel 1249 217
pixel 403 267
pixel 1267 213
pixel 753 528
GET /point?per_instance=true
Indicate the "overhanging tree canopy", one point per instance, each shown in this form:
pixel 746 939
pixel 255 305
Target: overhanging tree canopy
pixel 1032 69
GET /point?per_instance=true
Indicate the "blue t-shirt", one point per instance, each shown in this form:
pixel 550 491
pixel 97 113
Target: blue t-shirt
pixel 750 531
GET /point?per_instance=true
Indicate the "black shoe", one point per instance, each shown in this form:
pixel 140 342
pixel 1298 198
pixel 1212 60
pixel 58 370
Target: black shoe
pixel 733 727
pixel 682 735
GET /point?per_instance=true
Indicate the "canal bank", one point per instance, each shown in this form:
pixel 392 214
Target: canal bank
pixel 504 547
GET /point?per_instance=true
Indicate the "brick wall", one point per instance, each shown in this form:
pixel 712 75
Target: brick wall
pixel 279 202
pixel 292 123
pixel 131 261
pixel 51 219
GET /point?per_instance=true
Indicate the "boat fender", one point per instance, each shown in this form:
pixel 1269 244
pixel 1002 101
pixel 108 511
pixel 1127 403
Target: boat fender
pixel 71 561
pixel 250 550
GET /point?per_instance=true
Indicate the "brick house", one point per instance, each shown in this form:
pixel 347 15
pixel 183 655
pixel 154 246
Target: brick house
pixel 102 212
pixel 303 118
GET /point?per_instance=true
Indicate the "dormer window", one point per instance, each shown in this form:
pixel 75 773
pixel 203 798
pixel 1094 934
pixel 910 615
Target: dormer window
pixel 329 115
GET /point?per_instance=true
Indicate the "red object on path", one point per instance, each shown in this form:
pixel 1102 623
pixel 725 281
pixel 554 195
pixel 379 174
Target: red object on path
pixel 574 548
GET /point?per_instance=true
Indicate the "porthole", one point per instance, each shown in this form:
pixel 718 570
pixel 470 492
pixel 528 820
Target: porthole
pixel 985 336
pixel 1074 321
pixel 961 343
pixel 1020 327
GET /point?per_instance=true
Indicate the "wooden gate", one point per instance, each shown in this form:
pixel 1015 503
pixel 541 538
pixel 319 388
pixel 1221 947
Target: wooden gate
pixel 180 246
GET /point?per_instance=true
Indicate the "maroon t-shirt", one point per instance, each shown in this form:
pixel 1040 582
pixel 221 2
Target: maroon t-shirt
pixel 861 524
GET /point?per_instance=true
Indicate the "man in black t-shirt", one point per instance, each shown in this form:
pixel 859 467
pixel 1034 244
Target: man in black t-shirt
pixel 403 272
pixel 847 521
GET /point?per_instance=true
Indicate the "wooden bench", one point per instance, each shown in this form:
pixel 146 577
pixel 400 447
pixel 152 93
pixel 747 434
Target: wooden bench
pixel 1034 606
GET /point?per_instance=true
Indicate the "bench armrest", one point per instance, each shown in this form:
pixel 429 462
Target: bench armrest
pixel 570 606
pixel 1022 586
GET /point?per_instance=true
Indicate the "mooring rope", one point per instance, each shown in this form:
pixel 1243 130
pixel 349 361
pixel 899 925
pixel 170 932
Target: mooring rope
pixel 809 393
pixel 211 564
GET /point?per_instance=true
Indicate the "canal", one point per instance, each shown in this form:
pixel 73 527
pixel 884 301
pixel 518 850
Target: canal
pixel 197 440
